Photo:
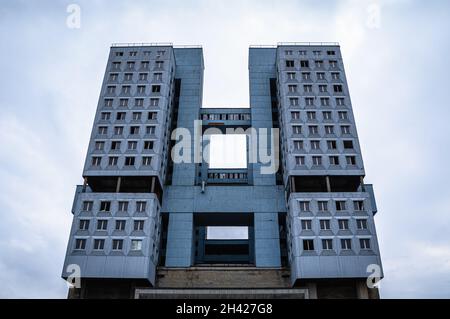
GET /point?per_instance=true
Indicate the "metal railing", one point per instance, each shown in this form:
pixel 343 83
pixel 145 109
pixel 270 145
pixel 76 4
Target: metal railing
pixel 308 43
pixel 151 44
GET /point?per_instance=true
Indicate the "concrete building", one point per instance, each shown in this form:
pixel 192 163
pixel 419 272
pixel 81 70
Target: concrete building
pixel 143 225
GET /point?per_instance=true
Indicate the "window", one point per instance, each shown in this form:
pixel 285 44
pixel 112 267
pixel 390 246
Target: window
pixel 304 206
pixel 333 64
pixel 117 244
pixel 148 145
pixel 99 244
pixel 317 53
pixel 113 76
pixel 340 101
pixel 128 76
pixel 145 64
pixel 337 88
pixel 137 116
pixel 123 102
pixel 291 75
pixel 340 205
pixel 120 224
pixel 161 52
pixel 288 52
pixel 346 244
pixel 136 244
pixel 317 160
pixel 102 130
pixel 108 102
pixel 118 130
pixel 132 53
pixel 323 206
pixel 348 145
pixel 304 64
pixel 335 75
pixel 315 145
pixel 105 206
pixel 129 161
pixel 343 224
pixel 143 76
pixel 123 206
pixel 318 63
pixel 139 102
pixel 147 53
pixel 102 224
pixel 293 101
pixel 84 224
pixel 364 243
pixel 119 53
pixel 358 205
pixel 292 88
pixel 298 145
pixel 345 129
pixel 105 116
pixel 156 88
pixel 307 88
pixel 99 146
pixel 141 206
pixel 146 160
pixel 306 76
pixel 351 160
pixel 132 145
pixel 157 76
pixel 361 223
pixel 295 115
pixel 121 116
pixel 327 244
pixel 300 160
pixel 116 65
pixel 309 101
pixel 152 115
pixel 289 63
pixel 331 52
pixel 134 130
pixel 334 160
pixel 159 64
pixel 324 101
pixel 308 244
pixel 154 102
pixel 311 115
pixel 325 224
pixel 329 129
pixel 138 225
pixel 306 224
pixel 96 161
pixel 126 89
pixel 326 115
pixel 302 52
pixel 80 244
pixel 323 88
pixel 150 130
pixel 320 75
pixel 297 129
pixel 112 161
pixel 130 65
pixel 141 89
pixel 343 115
pixel 313 129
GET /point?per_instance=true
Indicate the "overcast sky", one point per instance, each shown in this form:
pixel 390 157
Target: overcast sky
pixel 397 65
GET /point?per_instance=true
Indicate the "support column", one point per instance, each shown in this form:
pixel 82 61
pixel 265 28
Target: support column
pixel 119 182
pixel 179 251
pixel 84 184
pixel 327 179
pixel 267 240
pixel 361 178
pixel 152 186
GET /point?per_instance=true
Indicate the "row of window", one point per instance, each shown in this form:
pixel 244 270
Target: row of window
pixel 227 116
pixel 306 64
pixel 114 161
pixel 105 206
pixel 327 244
pixel 99 244
pixel 315 144
pixel 116 145
pixel 143 76
pixel 320 76
pixel 133 130
pixel 125 102
pixel 227 175
pixel 135 53
pixel 126 89
pixel 120 224
pixel 313 130
pixel 310 101
pixel 314 52
pixel 122 116
pixel 340 205
pixel 318 160
pixel 323 88
pixel 326 115
pixel 131 65
pixel 325 224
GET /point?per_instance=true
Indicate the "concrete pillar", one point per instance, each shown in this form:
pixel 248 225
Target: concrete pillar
pixel 312 290
pixel 179 250
pixel 361 290
pixel 267 240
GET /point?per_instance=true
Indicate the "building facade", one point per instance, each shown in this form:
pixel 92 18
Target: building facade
pixel 142 220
